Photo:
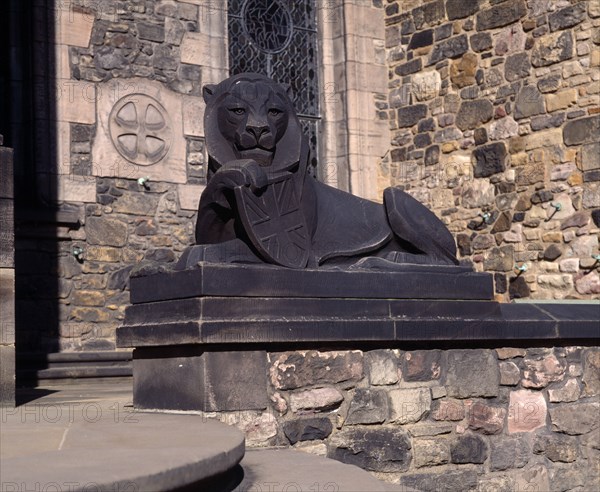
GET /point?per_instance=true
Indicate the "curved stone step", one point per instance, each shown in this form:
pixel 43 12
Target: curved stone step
pixel 284 469
pixel 92 446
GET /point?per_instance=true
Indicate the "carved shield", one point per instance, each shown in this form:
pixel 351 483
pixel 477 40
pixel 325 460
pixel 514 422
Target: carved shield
pixel 275 223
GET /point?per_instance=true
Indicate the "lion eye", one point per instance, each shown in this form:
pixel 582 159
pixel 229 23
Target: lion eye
pixel 239 111
pixel 274 112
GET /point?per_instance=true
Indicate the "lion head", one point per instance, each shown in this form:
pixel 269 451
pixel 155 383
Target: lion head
pixel 249 116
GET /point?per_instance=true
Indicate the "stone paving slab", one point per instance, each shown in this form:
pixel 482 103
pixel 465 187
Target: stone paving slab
pixel 99 443
pixel 284 469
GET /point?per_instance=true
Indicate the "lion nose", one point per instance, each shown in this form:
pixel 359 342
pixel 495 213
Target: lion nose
pixel 256 130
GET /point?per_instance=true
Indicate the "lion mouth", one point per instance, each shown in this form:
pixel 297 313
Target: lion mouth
pixel 261 156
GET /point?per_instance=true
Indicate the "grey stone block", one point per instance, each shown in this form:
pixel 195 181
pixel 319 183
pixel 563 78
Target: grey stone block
pixel 529 102
pixel 472 373
pixel 557 447
pixel 468 449
pixel 187 378
pixel 474 113
pixel 459 9
pixel 490 159
pixel 582 131
pixel 547 121
pixel 369 406
pixel 549 84
pixel 481 41
pixel 590 157
pixel 575 419
pixel 411 115
pixel 567 17
pixel 151 32
pixel 501 15
pixel 509 452
pixel 429 13
pixel 449 48
pixel 421 39
pixel 307 429
pixel 294 370
pixel 552 49
pixel 517 67
pixel 412 66
pixel 383 449
pixel 421 365
pixel 448 480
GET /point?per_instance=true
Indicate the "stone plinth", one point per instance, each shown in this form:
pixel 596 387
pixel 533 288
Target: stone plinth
pixel 389 371
pixel 266 281
pixel 201 336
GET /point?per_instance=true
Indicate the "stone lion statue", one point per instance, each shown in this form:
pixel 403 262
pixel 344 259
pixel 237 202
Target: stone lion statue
pixel 261 205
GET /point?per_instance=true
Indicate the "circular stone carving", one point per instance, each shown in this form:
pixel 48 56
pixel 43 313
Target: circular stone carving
pixel 140 129
pixel 268 23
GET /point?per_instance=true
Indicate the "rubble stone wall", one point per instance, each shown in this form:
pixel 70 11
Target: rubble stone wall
pixel 494 108
pixel 507 419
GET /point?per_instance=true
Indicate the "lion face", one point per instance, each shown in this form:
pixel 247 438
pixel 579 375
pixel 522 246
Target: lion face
pixel 248 116
pixel 254 118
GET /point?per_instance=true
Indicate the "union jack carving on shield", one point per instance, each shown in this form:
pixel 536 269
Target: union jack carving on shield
pixel 275 223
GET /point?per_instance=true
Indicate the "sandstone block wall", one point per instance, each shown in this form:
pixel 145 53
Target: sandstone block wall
pixel 508 419
pixel 494 109
pixel 130 161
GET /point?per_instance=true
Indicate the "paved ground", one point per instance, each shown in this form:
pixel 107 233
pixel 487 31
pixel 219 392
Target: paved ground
pixel 86 436
pixel 279 470
pixel 70 440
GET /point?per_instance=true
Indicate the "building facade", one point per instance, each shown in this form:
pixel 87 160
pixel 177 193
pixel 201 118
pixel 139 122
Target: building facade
pixel 486 111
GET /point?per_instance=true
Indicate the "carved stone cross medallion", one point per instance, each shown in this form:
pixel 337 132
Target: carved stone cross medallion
pixel 140 129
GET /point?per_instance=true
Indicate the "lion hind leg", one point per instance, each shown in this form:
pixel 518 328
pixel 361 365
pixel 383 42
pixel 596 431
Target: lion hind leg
pixel 411 221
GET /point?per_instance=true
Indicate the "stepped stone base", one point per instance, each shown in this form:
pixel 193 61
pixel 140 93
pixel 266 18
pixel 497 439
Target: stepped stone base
pixel 69 367
pixel 202 336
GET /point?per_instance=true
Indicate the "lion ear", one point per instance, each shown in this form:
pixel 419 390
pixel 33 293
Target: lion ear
pixel 207 92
